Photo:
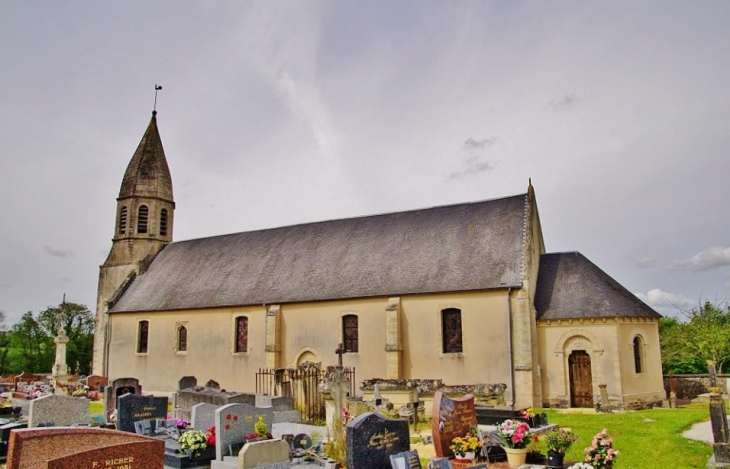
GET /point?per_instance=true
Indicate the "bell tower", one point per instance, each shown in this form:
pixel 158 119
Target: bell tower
pixel 144 224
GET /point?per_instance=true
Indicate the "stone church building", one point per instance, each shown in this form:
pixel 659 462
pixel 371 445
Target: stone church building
pixel 463 293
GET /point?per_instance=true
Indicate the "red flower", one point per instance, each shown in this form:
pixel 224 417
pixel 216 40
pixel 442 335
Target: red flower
pixel 235 418
pixel 228 417
pixel 228 427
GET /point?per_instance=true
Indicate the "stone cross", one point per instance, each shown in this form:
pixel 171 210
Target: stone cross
pixel 377 401
pixel 339 386
pixel 340 350
pixel 713 374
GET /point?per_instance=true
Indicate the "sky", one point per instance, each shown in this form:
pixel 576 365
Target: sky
pixel 277 113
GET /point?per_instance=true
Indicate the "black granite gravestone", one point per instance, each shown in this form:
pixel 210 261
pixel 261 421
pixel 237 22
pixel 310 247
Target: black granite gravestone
pixel 372 438
pixel 134 408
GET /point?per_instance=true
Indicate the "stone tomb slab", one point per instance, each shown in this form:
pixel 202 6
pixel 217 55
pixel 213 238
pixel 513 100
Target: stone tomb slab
pixel 372 439
pixel 134 408
pixel 450 418
pixel 83 447
pixel 63 411
pixel 234 421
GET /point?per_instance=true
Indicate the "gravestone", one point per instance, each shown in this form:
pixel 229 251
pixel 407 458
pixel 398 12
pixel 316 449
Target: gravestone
pixel 119 387
pixel 187 382
pixel 5 436
pixel 278 403
pixel 203 416
pixel 718 419
pixel 96 381
pixel 268 454
pixel 63 411
pixel 134 408
pixel 371 439
pixel 451 418
pixel 83 447
pixel 405 460
pixel 234 421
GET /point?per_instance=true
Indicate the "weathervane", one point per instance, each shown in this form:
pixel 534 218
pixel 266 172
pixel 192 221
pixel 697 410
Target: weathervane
pixel 157 88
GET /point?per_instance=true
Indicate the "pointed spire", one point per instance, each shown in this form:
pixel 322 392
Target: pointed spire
pixel 530 189
pixel 148 174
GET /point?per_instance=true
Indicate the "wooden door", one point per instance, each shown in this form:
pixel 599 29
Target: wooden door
pixel 581 382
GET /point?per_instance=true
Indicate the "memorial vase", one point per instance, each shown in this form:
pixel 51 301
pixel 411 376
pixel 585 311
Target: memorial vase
pixel 468 456
pixel 516 456
pixel 555 460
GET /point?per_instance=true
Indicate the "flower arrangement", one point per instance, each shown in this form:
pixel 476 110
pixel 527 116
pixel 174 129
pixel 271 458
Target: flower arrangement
pixel 193 441
pixel 181 424
pixel 600 454
pixel 559 441
pixel 210 435
pixel 528 413
pixel 462 445
pixel 260 427
pixel 514 434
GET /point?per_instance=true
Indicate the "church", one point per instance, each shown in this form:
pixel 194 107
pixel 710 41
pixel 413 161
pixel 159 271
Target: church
pixel 464 293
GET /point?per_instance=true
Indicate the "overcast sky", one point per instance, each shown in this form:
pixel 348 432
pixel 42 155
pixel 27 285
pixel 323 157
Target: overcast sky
pixel 278 113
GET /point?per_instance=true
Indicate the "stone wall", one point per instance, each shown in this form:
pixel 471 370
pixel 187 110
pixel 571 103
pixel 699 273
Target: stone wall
pixel 691 386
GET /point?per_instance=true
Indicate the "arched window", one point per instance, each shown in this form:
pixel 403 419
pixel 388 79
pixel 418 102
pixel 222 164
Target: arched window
pixel 123 220
pixel 241 334
pixel 142 336
pixel 163 222
pixel 142 218
pixel 349 333
pixel 451 328
pixel 638 355
pixel 182 339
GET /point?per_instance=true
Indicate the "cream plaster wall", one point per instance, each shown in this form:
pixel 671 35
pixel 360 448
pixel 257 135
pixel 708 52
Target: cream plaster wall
pixel 314 330
pixel 606 341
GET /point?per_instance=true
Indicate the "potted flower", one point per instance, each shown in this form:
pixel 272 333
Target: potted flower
pixel 600 454
pixel 529 415
pixel 557 443
pixel 534 451
pixel 465 447
pixel 193 442
pixel 515 436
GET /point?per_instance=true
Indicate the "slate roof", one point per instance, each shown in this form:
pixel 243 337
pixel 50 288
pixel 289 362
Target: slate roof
pixel 147 174
pixel 472 246
pixel 570 286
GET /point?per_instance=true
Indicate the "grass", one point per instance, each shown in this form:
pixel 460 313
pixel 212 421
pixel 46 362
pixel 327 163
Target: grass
pixel 96 407
pixel 647 439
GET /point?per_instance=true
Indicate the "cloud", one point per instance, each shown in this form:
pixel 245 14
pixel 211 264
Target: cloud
pixel 645 262
pixel 659 299
pixel 473 162
pixel 714 256
pixel 565 101
pixel 471 144
pixel 58 252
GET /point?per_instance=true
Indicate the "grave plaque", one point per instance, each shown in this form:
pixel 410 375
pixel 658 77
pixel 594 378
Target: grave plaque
pixel 136 455
pixel 439 463
pixel 63 411
pixel 405 460
pixel 234 421
pixel 451 418
pixel 134 408
pixel 372 439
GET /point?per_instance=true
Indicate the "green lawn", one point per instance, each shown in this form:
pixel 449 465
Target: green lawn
pixel 647 439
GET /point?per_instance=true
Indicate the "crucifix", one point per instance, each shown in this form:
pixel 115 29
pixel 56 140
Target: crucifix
pixel 340 350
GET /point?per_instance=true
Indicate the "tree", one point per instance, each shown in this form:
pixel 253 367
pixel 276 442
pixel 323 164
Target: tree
pixel 686 346
pixel 28 346
pixel 78 323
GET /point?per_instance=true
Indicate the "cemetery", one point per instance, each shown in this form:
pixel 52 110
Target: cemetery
pixel 391 424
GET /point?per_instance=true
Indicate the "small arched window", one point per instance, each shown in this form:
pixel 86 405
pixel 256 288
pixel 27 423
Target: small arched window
pixel 638 355
pixel 123 220
pixel 163 222
pixel 241 334
pixel 182 339
pixel 451 327
pixel 142 219
pixel 349 333
pixel 142 336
